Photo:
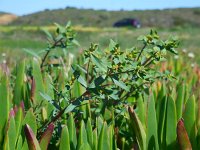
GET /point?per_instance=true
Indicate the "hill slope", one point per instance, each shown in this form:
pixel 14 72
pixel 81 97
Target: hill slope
pixel 6 18
pixel 103 18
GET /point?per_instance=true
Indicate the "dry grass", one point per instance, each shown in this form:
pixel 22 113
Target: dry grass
pixel 7 18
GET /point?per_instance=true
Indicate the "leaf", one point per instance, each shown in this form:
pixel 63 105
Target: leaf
pixel 112 45
pixel 189 117
pixel 141 110
pixel 30 119
pixel 82 81
pixel 39 85
pixel 152 135
pixel 171 124
pixel 72 131
pixel 50 37
pixel 89 132
pixel 103 142
pixel 31 52
pixel 121 84
pixel 82 138
pixel 31 139
pixel 11 133
pixel 4 103
pixel 138 129
pixel 64 140
pixel 182 136
pixel 180 101
pixel 98 63
pixel 98 81
pixel 46 137
pixel 18 121
pixel 85 146
pixel 18 90
pixel 162 121
pixel 95 140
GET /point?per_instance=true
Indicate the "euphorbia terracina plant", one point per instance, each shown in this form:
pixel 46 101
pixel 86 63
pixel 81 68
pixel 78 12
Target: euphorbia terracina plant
pixel 110 99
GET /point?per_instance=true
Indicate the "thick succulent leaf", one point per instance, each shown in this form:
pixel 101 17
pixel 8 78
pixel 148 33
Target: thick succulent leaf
pixel 18 120
pixel 141 110
pixel 152 135
pixel 46 137
pixel 171 124
pixel 103 142
pixel 138 129
pixel 11 133
pixel 85 146
pixel 162 122
pixel 99 124
pixel 72 131
pixel 18 90
pixel 180 101
pixel 95 140
pixel 82 138
pixel 183 139
pixel 31 138
pixel 189 117
pixel 19 143
pixel 89 132
pixel 4 103
pixel 30 119
pixel 64 140
pixel 39 85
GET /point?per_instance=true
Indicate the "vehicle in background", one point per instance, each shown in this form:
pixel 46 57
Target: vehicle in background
pixel 127 22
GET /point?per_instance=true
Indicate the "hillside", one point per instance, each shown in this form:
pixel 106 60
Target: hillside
pixel 103 18
pixel 6 18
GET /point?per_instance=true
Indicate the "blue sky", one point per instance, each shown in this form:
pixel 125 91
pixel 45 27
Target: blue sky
pixel 22 7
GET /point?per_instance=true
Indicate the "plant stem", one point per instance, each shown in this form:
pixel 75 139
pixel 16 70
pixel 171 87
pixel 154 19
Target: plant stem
pixel 48 51
pixel 141 51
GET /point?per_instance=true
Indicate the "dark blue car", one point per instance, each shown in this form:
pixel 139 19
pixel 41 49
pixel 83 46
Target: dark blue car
pixel 127 22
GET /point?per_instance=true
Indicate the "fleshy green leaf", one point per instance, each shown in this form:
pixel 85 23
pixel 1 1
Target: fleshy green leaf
pixel 182 136
pixel 64 140
pixel 31 139
pixel 46 136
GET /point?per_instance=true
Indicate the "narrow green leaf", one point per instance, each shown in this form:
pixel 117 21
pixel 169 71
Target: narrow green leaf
pixel 138 129
pixel 189 117
pixel 18 90
pixel 162 122
pixel 46 136
pixel 18 121
pixel 11 132
pixel 30 119
pixel 95 140
pixel 32 53
pixel 121 84
pixel 171 124
pixel 39 85
pixel 99 124
pixel 64 140
pixel 82 138
pixel 180 101
pixel 19 143
pixel 98 63
pixel 85 146
pixel 72 132
pixel 141 110
pixel 103 142
pixel 4 103
pixel 89 132
pixel 152 135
